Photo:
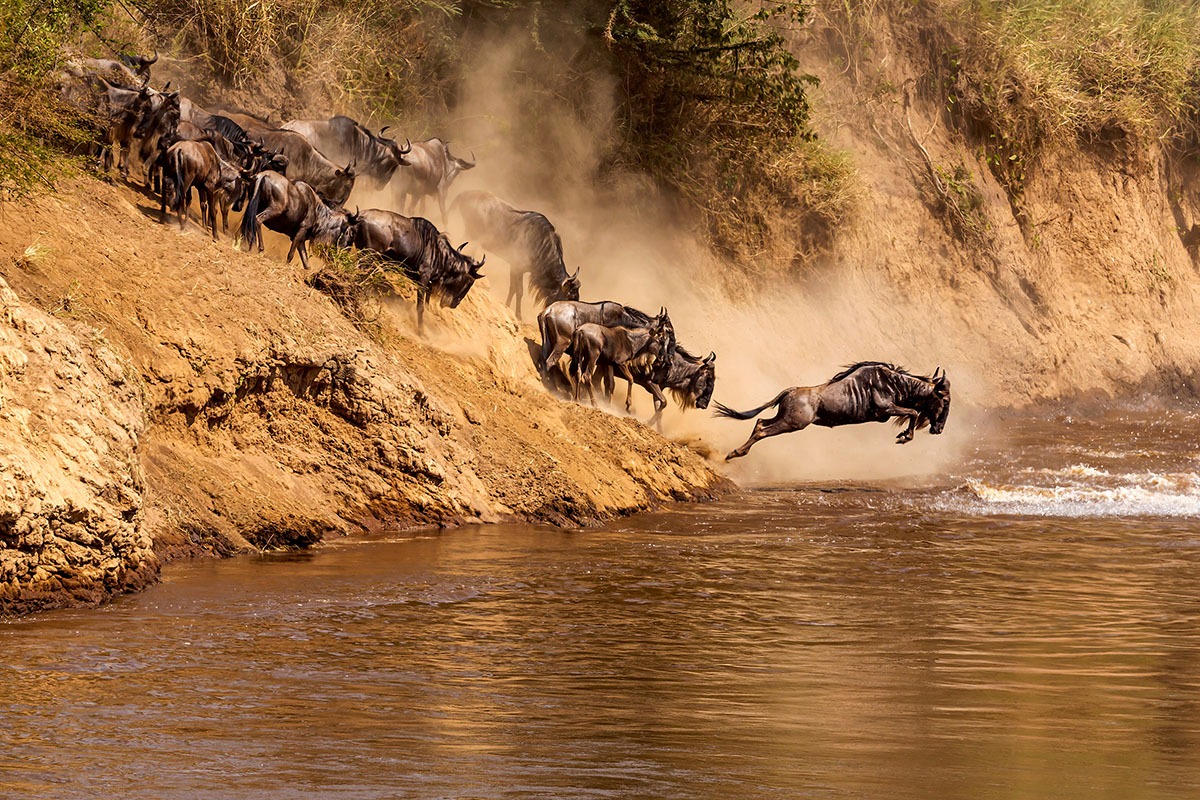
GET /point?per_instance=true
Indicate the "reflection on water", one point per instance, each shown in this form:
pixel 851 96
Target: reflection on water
pixel 817 641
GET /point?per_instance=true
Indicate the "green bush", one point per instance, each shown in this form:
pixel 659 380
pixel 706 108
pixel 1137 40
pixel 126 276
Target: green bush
pixel 35 123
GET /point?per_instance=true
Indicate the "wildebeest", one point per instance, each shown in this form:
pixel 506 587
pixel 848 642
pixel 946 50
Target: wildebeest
pixel 596 346
pixel 305 164
pixel 526 240
pixel 558 322
pixel 690 379
pixel 431 169
pixel 196 163
pixel 160 119
pixel 139 64
pixel 119 112
pixel 423 252
pixel 342 140
pixel 869 391
pixel 294 209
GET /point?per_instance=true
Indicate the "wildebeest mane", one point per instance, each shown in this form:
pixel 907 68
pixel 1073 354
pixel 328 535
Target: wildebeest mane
pixel 545 251
pixel 893 367
pixel 228 128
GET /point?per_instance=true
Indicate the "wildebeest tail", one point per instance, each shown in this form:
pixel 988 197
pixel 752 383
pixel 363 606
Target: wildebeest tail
pixel 726 411
pixel 250 231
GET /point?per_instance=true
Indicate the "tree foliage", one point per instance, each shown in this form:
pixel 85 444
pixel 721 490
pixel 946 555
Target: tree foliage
pixel 34 121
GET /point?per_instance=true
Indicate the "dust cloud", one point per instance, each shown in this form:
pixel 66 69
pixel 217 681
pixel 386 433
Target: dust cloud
pixel 544 152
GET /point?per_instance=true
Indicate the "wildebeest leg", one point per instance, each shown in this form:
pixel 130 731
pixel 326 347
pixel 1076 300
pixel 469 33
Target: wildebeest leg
pixel 298 244
pixel 627 375
pixel 789 419
pixel 890 408
pixel 442 206
pixel 213 199
pixel 224 212
pixel 515 277
pixel 303 251
pixel 422 297
pixel 660 403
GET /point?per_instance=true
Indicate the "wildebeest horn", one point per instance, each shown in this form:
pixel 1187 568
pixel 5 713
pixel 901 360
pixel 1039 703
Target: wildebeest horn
pixel 576 275
pixel 711 357
pixel 461 246
pixel 153 60
pixel 168 86
pixel 383 130
pixel 407 147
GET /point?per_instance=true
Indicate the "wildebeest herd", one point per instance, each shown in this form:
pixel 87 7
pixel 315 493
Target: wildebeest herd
pixel 295 178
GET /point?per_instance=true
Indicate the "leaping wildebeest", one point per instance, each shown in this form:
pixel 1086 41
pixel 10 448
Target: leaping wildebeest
pixel 430 171
pixel 423 252
pixel 595 346
pixel 342 140
pixel 526 240
pixel 294 209
pixel 869 391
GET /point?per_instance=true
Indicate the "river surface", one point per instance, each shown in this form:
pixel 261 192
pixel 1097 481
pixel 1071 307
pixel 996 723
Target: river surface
pixel 1024 626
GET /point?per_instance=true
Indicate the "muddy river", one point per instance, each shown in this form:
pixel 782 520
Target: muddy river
pixel 1024 625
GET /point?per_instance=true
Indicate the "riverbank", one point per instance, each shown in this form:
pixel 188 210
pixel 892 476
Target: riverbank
pixel 165 396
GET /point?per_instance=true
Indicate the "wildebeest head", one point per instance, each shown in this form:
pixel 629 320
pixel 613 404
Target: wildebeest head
pixel 570 287
pixel 398 151
pixel 662 329
pixel 342 184
pixel 456 285
pixel 939 408
pixel 139 64
pixel 705 381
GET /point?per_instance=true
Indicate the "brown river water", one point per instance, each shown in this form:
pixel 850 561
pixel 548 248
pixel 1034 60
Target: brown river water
pixel 1023 625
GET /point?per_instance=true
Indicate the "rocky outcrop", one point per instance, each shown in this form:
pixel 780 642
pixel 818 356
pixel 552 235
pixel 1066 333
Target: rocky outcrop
pixel 71 490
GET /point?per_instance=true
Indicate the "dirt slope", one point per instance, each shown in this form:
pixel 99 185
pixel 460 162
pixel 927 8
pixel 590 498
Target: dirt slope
pixel 263 418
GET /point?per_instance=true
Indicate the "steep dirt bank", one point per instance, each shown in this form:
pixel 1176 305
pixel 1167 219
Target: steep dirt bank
pixel 258 416
pixel 1086 283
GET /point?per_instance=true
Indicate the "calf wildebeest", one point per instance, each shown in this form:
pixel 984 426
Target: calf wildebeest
pixel 305 164
pixel 342 140
pixel 690 379
pixel 526 240
pixel 558 322
pixel 294 209
pixel 431 169
pixel 196 163
pixel 869 391
pixel 594 346
pixel 423 252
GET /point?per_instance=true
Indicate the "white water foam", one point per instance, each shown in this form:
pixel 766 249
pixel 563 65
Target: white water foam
pixel 1084 491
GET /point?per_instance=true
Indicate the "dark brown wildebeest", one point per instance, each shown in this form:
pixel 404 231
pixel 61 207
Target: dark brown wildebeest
pixel 159 121
pixel 196 163
pixel 139 64
pixel 869 391
pixel 559 321
pixel 690 379
pixel 305 164
pixel 595 346
pixel 423 252
pixel 118 111
pixel 342 140
pixel 431 169
pixel 294 209
pixel 526 240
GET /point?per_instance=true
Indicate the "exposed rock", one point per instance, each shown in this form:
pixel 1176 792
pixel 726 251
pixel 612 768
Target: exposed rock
pixel 71 485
